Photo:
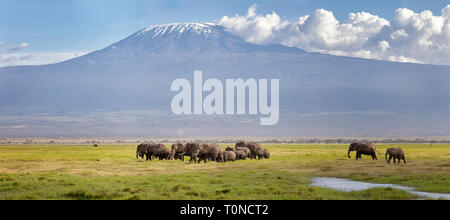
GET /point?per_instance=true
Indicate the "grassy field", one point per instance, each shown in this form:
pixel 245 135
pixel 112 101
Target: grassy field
pixel 112 172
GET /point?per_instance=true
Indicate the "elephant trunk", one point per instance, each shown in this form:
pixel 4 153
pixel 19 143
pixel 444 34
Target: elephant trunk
pixel 385 156
pixel 349 150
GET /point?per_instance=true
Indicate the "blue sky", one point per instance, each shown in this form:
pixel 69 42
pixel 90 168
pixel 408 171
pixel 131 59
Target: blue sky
pixel 87 25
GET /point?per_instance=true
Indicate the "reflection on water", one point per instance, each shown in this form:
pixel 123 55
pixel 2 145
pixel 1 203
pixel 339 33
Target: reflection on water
pixel 350 185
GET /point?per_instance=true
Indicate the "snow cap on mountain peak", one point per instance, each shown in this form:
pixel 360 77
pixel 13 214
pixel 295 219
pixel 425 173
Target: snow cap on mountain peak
pixel 179 28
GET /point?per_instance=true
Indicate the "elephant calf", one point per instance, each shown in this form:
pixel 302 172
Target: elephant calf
pixel 240 155
pixel 266 154
pixel 396 153
pixel 245 150
pixel 229 156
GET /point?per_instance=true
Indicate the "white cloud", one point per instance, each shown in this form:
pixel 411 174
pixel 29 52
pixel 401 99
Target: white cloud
pixel 409 37
pixel 254 28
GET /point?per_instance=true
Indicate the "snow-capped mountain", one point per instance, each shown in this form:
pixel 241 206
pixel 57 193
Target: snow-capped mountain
pixel 172 39
pixel 124 90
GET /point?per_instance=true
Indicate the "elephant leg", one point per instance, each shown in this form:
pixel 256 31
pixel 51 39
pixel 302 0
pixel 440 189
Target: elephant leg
pixel 358 155
pixel 390 158
pixel 404 160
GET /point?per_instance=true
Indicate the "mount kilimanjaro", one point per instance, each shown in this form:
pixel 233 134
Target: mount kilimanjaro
pixel 124 90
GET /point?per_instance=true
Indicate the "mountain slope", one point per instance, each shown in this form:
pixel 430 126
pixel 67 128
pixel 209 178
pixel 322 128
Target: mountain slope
pixel 171 39
pixel 124 90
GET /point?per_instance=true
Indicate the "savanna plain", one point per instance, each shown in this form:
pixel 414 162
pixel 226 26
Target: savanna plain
pixel 112 172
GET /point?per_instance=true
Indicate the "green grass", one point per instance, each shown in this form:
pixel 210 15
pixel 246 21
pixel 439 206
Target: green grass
pixel 112 172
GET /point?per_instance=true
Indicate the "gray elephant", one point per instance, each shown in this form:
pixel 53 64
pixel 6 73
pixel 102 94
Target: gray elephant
pixel 265 154
pixel 229 156
pixel 240 155
pixel 363 149
pixel 396 153
pixel 247 152
pixel 229 149
pixel 177 149
pixel 151 150
pixel 192 150
pixel 255 148
pixel 140 151
pixel 204 152
pixel 162 152
pixel 209 152
pixel 220 158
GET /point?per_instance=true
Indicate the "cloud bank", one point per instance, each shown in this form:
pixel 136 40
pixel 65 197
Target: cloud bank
pixel 409 37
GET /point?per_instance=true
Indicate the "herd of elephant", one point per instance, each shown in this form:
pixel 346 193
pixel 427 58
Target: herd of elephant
pixel 369 149
pixel 202 152
pixel 213 152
